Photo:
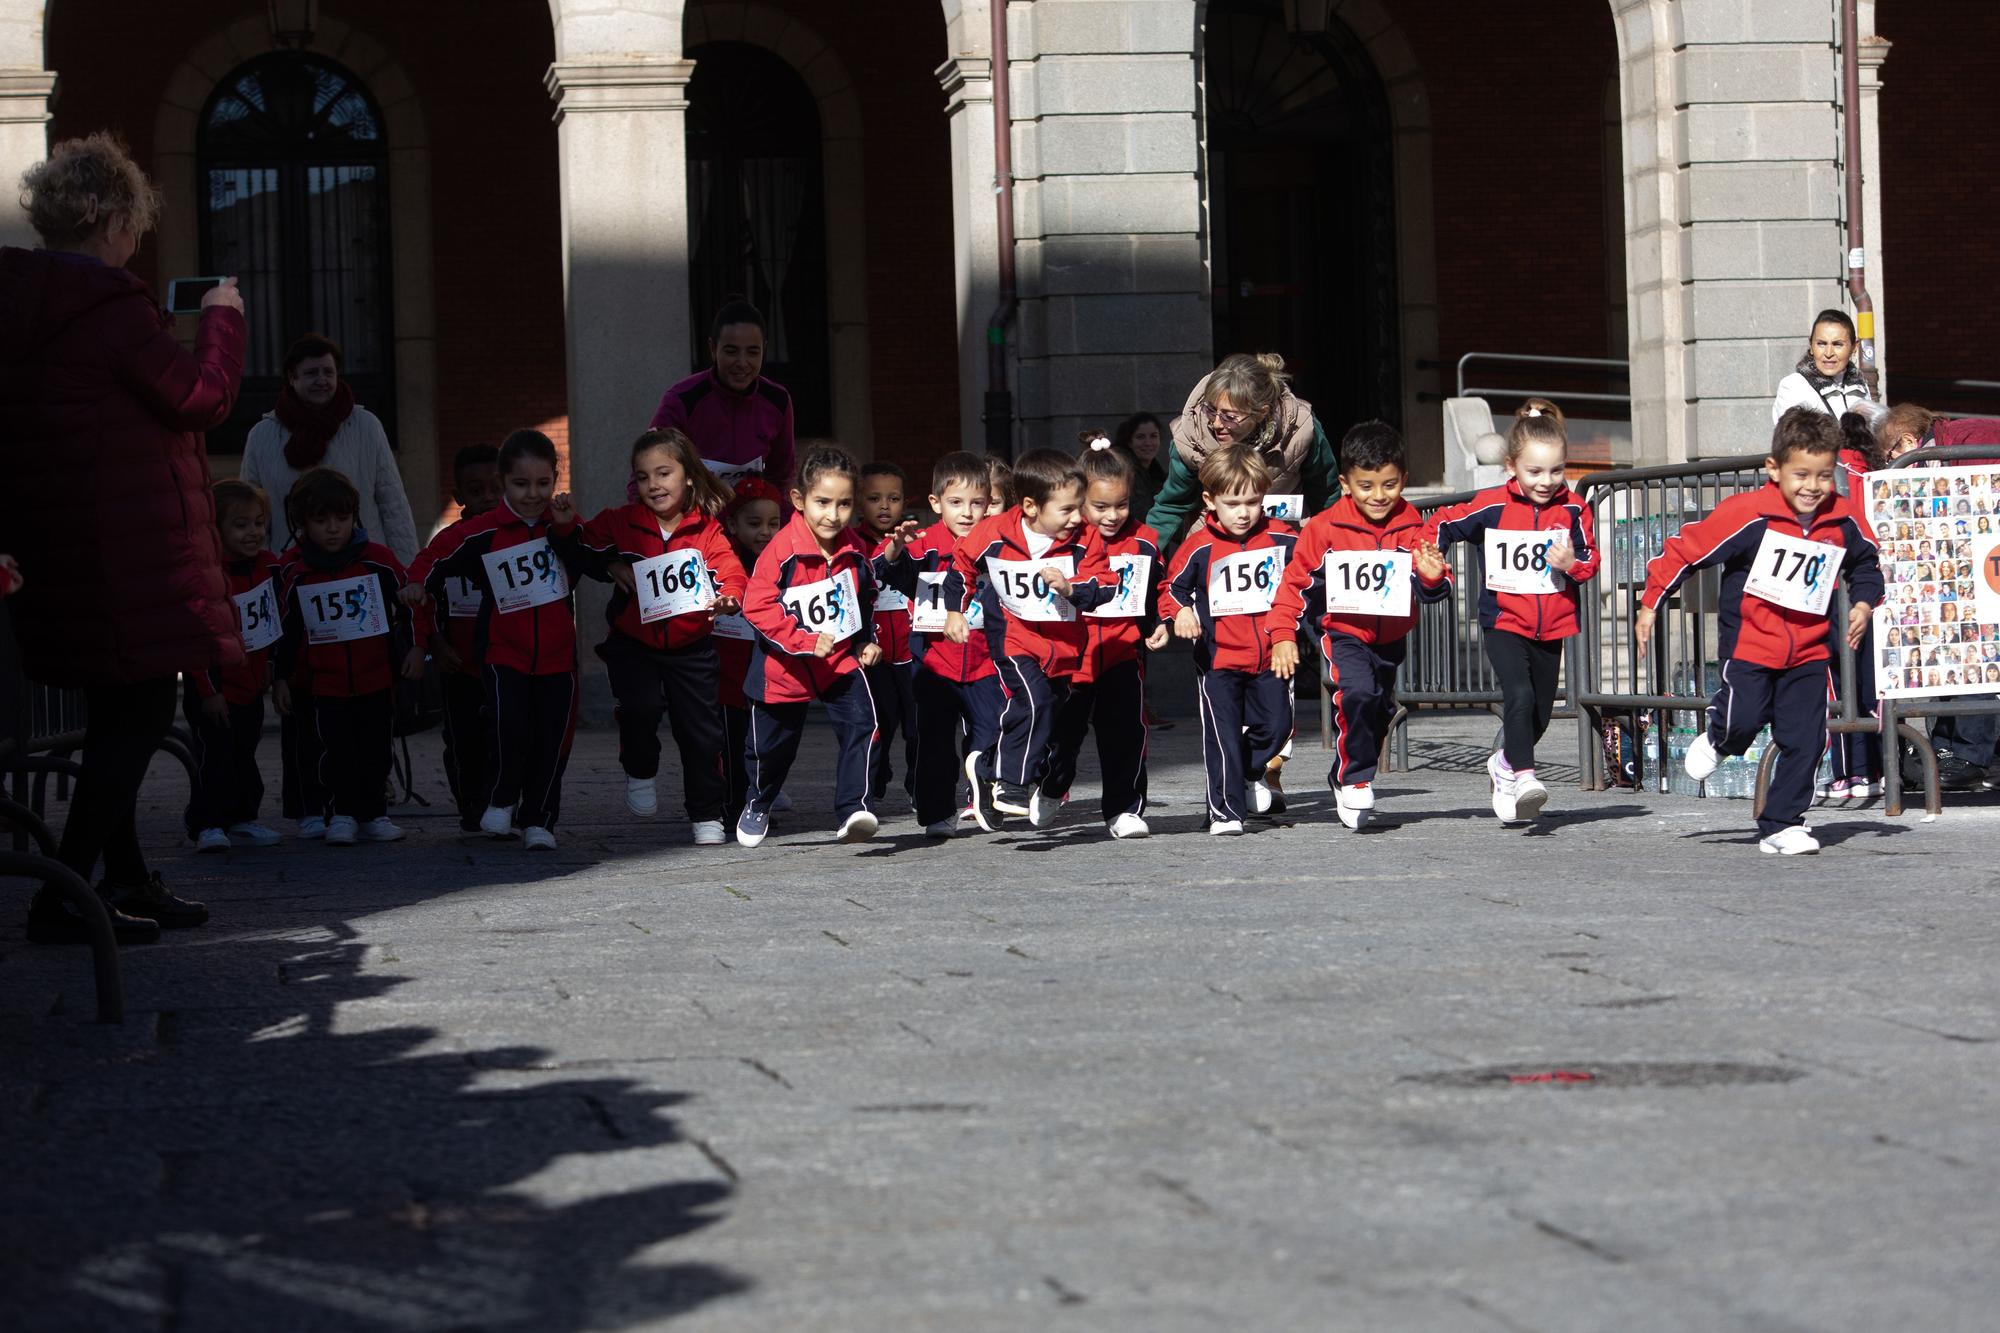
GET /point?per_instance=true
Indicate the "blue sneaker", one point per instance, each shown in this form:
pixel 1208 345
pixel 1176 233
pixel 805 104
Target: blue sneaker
pixel 752 826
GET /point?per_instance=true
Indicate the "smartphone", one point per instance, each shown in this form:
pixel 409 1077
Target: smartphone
pixel 184 294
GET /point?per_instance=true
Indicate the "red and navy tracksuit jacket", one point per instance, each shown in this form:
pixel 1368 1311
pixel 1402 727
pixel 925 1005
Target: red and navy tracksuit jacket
pixel 228 785
pixel 1362 652
pixel 1234 642
pixel 630 533
pixel 892 623
pixel 1540 616
pixel 1111 642
pixel 783 668
pixel 955 683
pixel 961 663
pixel 536 640
pixel 242 683
pixel 1054 646
pixel 349 668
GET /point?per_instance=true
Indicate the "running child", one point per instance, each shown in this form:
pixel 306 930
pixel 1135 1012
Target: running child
pixel 1780 549
pixel 225 705
pixel 674 572
pixel 525 632
pixel 752 518
pixel 1359 569
pixel 879 516
pixel 956 689
pixel 1044 565
pixel 1108 692
pixel 1538 548
pixel 468 732
pixel 812 601
pixel 345 630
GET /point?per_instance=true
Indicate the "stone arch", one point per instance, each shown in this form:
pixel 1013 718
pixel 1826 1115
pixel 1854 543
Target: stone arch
pixel 415 296
pixel 846 214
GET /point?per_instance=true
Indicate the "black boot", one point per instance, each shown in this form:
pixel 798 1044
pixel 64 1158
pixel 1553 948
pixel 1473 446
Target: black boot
pixel 152 901
pixel 53 920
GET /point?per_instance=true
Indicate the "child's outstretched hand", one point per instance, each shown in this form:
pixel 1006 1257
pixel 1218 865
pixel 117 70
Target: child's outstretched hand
pixel 1057 580
pixel 1158 638
pixel 1428 559
pixel 1858 617
pixel 727 606
pixel 1284 659
pixel 413 663
pixel 869 655
pixel 216 709
pixel 1187 625
pixel 1642 627
pixel 562 509
pixel 413 594
pixel 1560 555
pixel 825 645
pixel 621 574
pixel 955 627
pixel 281 697
pixel 905 533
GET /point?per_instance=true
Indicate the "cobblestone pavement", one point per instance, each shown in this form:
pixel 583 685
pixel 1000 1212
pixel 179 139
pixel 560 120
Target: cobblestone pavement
pixel 1035 1081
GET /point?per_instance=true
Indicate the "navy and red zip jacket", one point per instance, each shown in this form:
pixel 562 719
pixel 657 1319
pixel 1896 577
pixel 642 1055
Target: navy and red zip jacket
pixel 244 681
pixel 1233 642
pixel 1056 646
pixel 892 625
pixel 460 631
pixel 1751 628
pixel 536 640
pixel 1345 528
pixel 930 553
pixel 355 667
pixel 1113 642
pixel 1544 616
pixel 783 668
pixel 630 533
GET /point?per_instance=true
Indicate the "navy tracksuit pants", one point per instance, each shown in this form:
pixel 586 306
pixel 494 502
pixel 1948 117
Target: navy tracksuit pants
pixel 894 686
pixel 735 755
pixel 1027 721
pixel 1857 755
pixel 228 786
pixel 1527 669
pixel 1113 705
pixel 1246 719
pixel 775 731
pixel 678 684
pixel 1793 701
pixel 1362 680
pixel 534 723
pixel 468 746
pixel 354 734
pixel 943 706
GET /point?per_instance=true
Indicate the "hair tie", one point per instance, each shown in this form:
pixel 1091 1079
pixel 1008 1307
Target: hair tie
pixel 1532 411
pixel 1099 443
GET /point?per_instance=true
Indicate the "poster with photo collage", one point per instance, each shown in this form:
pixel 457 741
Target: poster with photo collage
pixel 1937 631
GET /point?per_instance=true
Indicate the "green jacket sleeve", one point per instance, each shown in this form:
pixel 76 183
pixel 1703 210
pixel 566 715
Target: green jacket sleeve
pixel 1180 496
pixel 1319 475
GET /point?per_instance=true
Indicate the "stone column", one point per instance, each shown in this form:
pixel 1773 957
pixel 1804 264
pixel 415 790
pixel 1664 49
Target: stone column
pixel 25 96
pixel 1874 53
pixel 968 87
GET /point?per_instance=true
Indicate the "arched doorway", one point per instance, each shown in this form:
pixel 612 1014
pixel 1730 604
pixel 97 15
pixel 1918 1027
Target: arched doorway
pixel 757 214
pixel 293 165
pixel 1302 207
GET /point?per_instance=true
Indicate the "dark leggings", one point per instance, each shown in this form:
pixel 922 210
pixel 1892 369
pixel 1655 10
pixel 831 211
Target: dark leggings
pixel 1527 670
pixel 126 724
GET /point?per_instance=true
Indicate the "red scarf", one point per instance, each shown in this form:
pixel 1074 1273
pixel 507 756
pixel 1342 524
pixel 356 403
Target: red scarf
pixel 312 427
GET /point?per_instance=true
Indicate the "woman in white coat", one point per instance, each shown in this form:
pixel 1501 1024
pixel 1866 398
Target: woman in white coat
pixel 317 423
pixel 1825 379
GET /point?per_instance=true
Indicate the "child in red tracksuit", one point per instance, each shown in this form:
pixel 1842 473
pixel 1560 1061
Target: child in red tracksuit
pixel 1538 549
pixel 1221 586
pixel 661 653
pixel 752 518
pixel 525 632
pixel 879 517
pixel 454 645
pixel 225 705
pixel 346 631
pixel 956 688
pixel 1358 570
pixel 1044 565
pixel 1108 692
pixel 1781 549
pixel 811 601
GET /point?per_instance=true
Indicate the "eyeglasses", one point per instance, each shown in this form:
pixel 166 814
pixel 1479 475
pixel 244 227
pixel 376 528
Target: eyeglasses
pixel 1214 416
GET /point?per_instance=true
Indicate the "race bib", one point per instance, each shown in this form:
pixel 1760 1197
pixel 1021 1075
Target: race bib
pixel 1794 573
pixel 1290 508
pixel 890 599
pixel 525 576
pixel 1368 583
pixel 462 599
pixel 678 583
pixel 927 613
pixel 257 617
pixel 1025 594
pixel 1245 583
pixel 1518 561
pixel 731 473
pixel 343 610
pixel 1133 571
pixel 831 606
pixel 733 627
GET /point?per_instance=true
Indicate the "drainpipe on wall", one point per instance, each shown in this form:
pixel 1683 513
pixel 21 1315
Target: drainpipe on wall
pixel 1857 255
pixel 999 399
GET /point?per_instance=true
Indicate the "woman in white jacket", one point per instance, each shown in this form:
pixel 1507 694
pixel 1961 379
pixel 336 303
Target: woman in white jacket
pixel 1825 379
pixel 317 423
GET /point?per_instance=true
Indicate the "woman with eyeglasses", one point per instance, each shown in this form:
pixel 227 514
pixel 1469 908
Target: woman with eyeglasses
pixel 1245 400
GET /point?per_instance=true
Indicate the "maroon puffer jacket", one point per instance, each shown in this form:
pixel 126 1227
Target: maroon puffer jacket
pixel 107 503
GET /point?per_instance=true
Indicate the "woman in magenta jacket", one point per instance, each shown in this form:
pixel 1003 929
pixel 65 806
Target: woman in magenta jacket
pixel 739 421
pixel 108 507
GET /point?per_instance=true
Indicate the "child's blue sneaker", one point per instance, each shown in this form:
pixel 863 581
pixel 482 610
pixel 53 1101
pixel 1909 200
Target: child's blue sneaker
pixel 752 827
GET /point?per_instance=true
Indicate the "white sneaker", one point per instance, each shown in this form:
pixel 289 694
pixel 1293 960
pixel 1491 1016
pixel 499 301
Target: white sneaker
pixel 1789 841
pixel 211 840
pixel 497 822
pixel 312 826
pixel 1129 825
pixel 252 834
pixel 857 827
pixel 969 815
pixel 535 838
pixel 1266 796
pixel 708 833
pixel 1225 828
pixel 944 828
pixel 1503 788
pixel 642 796
pixel 1041 809
pixel 1529 797
pixel 780 803
pixel 381 830
pixel 1864 790
pixel 1356 805
pixel 1701 758
pixel 342 831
